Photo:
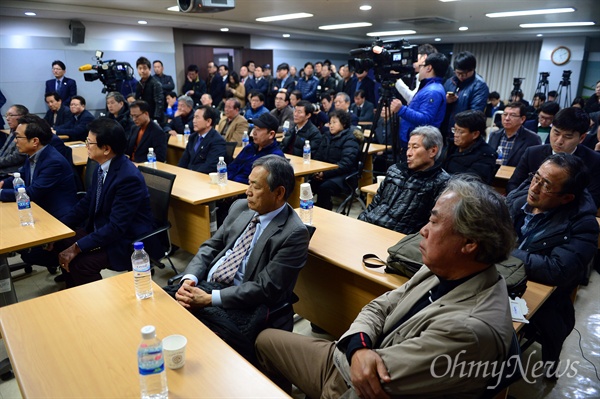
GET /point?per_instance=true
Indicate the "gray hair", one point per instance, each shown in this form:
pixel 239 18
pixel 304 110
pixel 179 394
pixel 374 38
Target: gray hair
pixel 186 99
pixel 116 95
pixel 482 216
pixel 431 138
pixel 343 95
pixel 280 172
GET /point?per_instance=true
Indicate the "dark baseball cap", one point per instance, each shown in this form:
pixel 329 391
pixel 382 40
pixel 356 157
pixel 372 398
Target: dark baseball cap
pixel 267 66
pixel 283 66
pixel 267 121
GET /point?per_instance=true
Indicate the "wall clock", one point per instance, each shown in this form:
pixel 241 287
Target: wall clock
pixel 560 55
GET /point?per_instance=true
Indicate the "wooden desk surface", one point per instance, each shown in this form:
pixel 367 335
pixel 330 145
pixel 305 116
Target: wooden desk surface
pixel 535 296
pixel 13 236
pixel 307 169
pixel 195 188
pixel 6 131
pixel 82 342
pixel 375 148
pixel 80 155
pixel 505 172
pixel 370 189
pixel 177 142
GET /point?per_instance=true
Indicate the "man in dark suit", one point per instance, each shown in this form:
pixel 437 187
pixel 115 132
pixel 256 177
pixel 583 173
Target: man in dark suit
pixel 146 134
pixel 362 108
pixel 10 157
pixel 542 124
pixel 76 125
pixel 259 84
pixel 116 207
pixel 205 145
pixel 512 140
pixel 57 114
pixel 367 84
pixel 348 82
pixel 150 90
pixel 217 86
pixel 65 87
pixel 48 178
pixel 569 129
pixel 265 272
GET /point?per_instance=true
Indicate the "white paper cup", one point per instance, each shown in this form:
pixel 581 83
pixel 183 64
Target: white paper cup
pixel 214 177
pixel 380 179
pixel 174 351
pixel 180 137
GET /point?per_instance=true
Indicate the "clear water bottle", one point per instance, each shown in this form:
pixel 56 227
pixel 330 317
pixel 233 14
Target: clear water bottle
pixel 286 127
pixel 151 366
pixel 151 157
pixel 306 151
pixel 306 204
pixel 186 133
pixel 245 139
pixel 17 182
pixel 222 171
pixel 500 156
pixel 24 205
pixel 140 263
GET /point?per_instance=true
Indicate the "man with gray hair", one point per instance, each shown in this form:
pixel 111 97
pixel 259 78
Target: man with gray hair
pixel 183 116
pixel 407 342
pixel 406 196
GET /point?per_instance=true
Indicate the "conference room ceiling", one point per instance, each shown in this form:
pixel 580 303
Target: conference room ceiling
pixel 434 18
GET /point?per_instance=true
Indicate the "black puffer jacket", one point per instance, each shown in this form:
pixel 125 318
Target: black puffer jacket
pixel 479 159
pixel 341 149
pixel 405 198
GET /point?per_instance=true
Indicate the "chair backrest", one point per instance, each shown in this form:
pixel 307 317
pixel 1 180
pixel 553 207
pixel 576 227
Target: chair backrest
pixel 510 373
pixel 160 185
pixel 90 169
pixel 230 149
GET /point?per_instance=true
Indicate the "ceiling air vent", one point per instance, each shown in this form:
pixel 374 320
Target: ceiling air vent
pixel 427 20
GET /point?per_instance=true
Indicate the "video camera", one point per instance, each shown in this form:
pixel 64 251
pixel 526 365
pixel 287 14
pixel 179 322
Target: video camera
pixel 566 78
pixel 390 60
pixel 111 73
pixel 517 86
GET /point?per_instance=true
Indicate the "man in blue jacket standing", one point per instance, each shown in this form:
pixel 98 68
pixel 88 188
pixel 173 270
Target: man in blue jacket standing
pixel 429 104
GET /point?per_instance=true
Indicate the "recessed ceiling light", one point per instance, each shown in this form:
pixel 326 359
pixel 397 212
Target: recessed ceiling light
pixel 284 17
pixel 556 24
pixel 539 35
pixel 346 26
pixel 30 14
pixel 173 8
pixel 286 35
pixel 463 28
pixel 529 12
pixel 142 22
pixel 365 8
pixel 224 29
pixel 437 39
pixel 392 33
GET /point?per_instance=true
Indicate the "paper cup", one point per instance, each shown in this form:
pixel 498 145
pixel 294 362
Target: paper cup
pixel 174 351
pixel 214 177
pixel 180 137
pixel 380 179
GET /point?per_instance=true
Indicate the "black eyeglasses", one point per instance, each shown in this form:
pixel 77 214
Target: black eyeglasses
pixel 545 185
pixel 89 143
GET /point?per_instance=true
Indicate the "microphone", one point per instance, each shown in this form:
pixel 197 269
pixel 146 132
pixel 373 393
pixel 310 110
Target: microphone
pixel 378 49
pixel 86 67
pixel 358 51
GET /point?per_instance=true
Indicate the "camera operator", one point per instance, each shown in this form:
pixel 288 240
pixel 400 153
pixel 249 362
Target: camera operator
pixel 150 90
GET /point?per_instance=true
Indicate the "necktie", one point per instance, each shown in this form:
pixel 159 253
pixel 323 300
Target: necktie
pixel 197 145
pixel 99 187
pixel 57 85
pixel 358 111
pixel 227 270
pixel 54 118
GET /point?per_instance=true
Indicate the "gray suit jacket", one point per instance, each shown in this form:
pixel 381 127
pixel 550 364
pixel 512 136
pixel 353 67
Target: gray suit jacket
pixel 472 323
pixel 273 266
pixel 10 157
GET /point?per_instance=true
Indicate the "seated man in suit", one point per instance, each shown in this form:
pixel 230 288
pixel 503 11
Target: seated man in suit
pixel 233 126
pixel 76 125
pixel 48 178
pixel 342 101
pixel 513 139
pixel 145 134
pixel 10 157
pixel 282 111
pixel 569 130
pixel 361 107
pixel 543 122
pixel 405 342
pixel 251 264
pixel 116 207
pixel 57 113
pixel 554 217
pixel 183 116
pixel 303 129
pixel 65 87
pixel 494 104
pixel 205 145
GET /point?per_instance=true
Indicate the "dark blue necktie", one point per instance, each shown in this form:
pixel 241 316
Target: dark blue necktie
pixel 57 85
pixel 197 145
pixel 99 187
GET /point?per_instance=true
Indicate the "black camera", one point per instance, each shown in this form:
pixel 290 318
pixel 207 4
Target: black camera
pixel 566 78
pixel 390 60
pixel 111 73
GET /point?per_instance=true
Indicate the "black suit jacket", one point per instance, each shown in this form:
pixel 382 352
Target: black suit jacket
pixel 526 138
pixel 206 158
pixel 76 126
pixel 68 89
pixel 217 89
pixel 62 116
pixel 368 85
pixel 153 137
pixel 535 156
pixel 366 112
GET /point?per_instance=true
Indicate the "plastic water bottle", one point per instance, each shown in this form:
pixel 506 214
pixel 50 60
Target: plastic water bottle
pixel 17 182
pixel 306 151
pixel 306 204
pixel 500 156
pixel 140 263
pixel 186 133
pixel 151 157
pixel 151 366
pixel 245 139
pixel 24 205
pixel 222 171
pixel 286 127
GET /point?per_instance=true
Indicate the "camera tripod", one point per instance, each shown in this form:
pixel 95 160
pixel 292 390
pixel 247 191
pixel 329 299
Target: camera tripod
pixel 564 83
pixel 542 86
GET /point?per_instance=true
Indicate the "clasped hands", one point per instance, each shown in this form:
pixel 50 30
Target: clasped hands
pixel 367 371
pixel 189 296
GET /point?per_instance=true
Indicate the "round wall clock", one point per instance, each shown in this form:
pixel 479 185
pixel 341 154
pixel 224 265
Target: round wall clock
pixel 560 55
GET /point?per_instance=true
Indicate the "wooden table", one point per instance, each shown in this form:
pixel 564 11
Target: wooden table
pixel 502 177
pixel 82 342
pixel 370 190
pixel 80 155
pixel 367 176
pixel 175 149
pixel 192 199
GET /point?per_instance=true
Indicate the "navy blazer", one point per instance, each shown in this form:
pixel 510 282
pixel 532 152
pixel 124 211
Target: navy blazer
pixel 76 127
pixel 261 86
pixel 216 89
pixel 368 85
pixel 123 214
pixel 68 89
pixel 526 138
pixel 153 137
pixel 53 186
pixel 366 112
pixel 63 115
pixel 206 158
pixel 535 156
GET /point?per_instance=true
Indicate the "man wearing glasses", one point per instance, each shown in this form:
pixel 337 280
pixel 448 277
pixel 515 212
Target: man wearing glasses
pixel 10 157
pixel 513 139
pixel 145 134
pixel 554 217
